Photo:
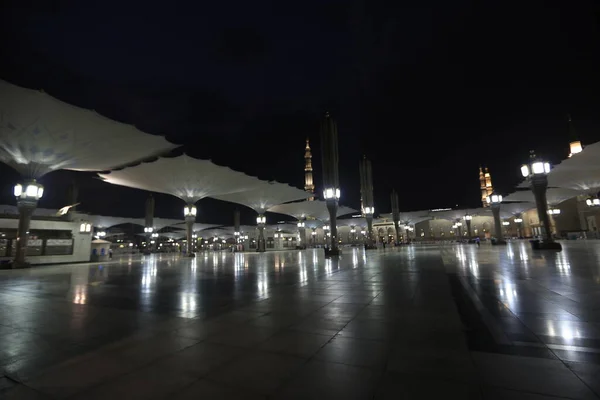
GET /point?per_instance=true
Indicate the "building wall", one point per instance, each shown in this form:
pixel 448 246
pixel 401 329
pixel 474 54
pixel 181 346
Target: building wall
pixel 81 241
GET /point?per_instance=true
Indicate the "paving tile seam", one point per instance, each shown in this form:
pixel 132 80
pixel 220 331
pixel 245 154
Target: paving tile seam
pixel 128 373
pixel 463 281
pixel 281 386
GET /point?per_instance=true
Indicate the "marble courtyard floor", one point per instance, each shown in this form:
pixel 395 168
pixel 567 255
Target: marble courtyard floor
pixel 417 322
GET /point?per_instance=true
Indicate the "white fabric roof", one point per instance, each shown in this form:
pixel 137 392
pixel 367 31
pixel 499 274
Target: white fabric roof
pixel 553 195
pixel 453 215
pixel 197 226
pixel 39 134
pixel 220 233
pixel 585 180
pixel 265 196
pixel 171 235
pixel 588 158
pixel 359 221
pixel 412 217
pixel 316 209
pixel 160 223
pixel 185 177
pixel 102 221
pixel 508 210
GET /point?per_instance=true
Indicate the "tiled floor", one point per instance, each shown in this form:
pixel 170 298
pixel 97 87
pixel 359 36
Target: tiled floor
pixel 415 322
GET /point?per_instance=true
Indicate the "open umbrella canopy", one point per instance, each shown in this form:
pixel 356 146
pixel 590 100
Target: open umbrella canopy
pixel 39 134
pixel 553 195
pixel 197 227
pixel 315 209
pixel 410 217
pixel 265 195
pixel 453 215
pixel 185 177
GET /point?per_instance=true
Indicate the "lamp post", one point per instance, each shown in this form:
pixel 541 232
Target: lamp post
pixel 331 182
pixel 468 219
pixel 396 215
pixel 459 228
pixel 494 200
pixel 302 234
pixel 536 171
pixel 189 212
pixel 407 230
pixel 27 195
pixel 519 222
pixel 366 193
pixel 261 220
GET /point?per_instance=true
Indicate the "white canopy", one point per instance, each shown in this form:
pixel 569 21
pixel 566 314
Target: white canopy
pixel 453 215
pixel 185 177
pixel 265 196
pixel 553 195
pixel 172 235
pixel 39 134
pixel 584 180
pixel 410 217
pixel 315 209
pixel 508 210
pixel 359 221
pixel 216 232
pixel 198 226
pixel 102 221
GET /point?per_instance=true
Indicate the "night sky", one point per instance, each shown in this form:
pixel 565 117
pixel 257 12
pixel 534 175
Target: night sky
pixel 427 90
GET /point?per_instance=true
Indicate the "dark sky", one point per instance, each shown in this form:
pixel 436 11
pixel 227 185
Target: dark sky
pixel 427 90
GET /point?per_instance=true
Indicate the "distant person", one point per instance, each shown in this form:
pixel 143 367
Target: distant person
pixel 478 241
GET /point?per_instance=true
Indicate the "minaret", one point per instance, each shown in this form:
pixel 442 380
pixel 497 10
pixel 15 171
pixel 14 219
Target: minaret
pixel 308 174
pixel 485 185
pixel 575 144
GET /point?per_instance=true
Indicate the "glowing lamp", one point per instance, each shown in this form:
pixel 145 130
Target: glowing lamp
pixel 331 193
pixel 494 199
pixel 189 211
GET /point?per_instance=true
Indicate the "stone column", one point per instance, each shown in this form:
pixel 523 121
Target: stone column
pixel 189 226
pixel 539 184
pixel 261 248
pixel 497 224
pixel 332 208
pixel 468 222
pixel 26 208
pixel 370 241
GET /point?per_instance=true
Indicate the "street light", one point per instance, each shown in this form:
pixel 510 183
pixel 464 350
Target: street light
pixel 85 227
pixel 494 200
pixel 553 211
pixel 189 212
pixel 468 219
pixel 148 230
pixel 27 195
pixel 261 220
pixel 536 171
pixel 593 202
pixel 300 224
pixel 331 194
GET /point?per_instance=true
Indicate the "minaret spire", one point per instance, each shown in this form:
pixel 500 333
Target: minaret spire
pixel 574 143
pixel 308 170
pixel 485 185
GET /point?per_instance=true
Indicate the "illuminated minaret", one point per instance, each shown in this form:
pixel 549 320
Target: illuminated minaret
pixel 308 171
pixel 575 144
pixel 485 185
